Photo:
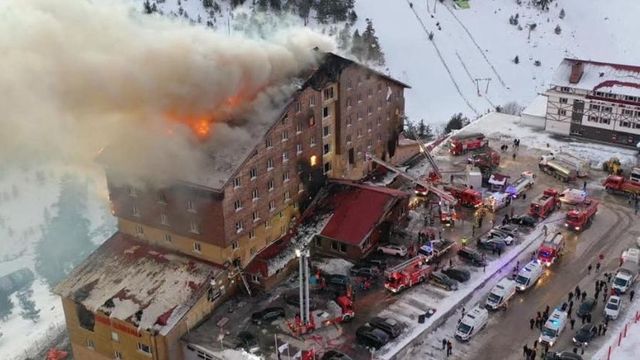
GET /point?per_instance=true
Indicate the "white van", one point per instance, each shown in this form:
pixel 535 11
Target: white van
pixel 553 327
pixel 528 275
pixel 472 322
pixel 500 294
pixel 631 254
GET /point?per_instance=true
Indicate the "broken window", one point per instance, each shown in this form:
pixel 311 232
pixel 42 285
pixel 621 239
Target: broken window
pixel 86 319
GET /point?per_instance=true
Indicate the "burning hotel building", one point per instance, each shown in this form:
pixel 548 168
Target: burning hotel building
pixel 181 249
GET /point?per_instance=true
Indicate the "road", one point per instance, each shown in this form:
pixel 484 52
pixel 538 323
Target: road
pixel 613 231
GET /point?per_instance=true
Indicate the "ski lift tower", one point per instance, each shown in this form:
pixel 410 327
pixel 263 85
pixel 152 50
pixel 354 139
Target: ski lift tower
pixel 303 259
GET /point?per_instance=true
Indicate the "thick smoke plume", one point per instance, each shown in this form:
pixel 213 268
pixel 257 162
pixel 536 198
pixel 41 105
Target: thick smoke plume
pixel 77 76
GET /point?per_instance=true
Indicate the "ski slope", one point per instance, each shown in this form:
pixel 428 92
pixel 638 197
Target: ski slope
pixel 597 30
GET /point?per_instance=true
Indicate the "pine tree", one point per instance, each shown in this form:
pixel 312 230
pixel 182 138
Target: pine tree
pixel 6 305
pixel 324 10
pixel 304 9
pixel 344 37
pixel 263 5
pixel 65 240
pixel 147 7
pixel 29 311
pixel 516 60
pixel 357 45
pixel 456 122
pixel 557 30
pixel 562 14
pixel 372 52
pixel 276 5
pixel 207 3
pixel 422 128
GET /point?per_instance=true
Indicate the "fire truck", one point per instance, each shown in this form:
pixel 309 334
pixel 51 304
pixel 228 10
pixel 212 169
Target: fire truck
pixel 465 196
pixel 522 184
pixel 488 159
pixel 337 311
pixel 545 203
pixel 615 183
pixel 551 249
pixel 463 143
pixel 407 274
pixel 578 219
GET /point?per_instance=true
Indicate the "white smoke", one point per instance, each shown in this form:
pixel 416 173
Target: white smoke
pixel 78 75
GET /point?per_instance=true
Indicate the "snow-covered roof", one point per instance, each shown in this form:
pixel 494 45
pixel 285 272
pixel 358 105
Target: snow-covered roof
pixel 125 276
pixel 598 76
pixel 538 107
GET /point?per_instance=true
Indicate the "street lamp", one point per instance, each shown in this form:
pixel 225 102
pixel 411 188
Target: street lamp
pixel 303 262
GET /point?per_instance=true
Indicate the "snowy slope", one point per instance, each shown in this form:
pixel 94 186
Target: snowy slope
pixel 596 30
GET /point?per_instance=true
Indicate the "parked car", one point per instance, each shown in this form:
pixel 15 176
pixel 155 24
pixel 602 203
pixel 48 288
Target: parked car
pixel 335 355
pixel 267 315
pixel 472 257
pixel 491 243
pixel 370 336
pixel 293 299
pixel 388 325
pixel 376 261
pixel 442 280
pixel 523 220
pixel 612 308
pixel 585 334
pixel 337 280
pixel 457 274
pixel 565 355
pixel 509 229
pixel 507 238
pixel 244 340
pixel 393 249
pixel 369 273
pixel 586 307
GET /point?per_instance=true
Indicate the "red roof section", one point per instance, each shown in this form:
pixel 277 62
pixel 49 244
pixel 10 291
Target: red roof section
pixel 633 68
pixel 358 209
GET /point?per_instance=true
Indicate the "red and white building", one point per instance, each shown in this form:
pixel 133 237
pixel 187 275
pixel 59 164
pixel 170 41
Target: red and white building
pixel 595 100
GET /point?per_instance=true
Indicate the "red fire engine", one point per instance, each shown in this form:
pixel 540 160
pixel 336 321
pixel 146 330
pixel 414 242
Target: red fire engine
pixel 465 196
pixel 545 203
pixel 578 219
pixel 462 143
pixel 616 183
pixel 407 274
pixel 551 249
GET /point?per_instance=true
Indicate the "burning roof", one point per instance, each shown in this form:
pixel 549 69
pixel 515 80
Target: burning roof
pixel 148 287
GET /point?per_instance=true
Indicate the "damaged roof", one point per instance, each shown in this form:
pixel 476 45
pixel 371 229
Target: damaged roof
pixel 149 287
pixel 357 210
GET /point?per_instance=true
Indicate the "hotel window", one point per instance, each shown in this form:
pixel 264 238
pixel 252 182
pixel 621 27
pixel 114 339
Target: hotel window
pixel 637 113
pixel 313 161
pixel 239 226
pixel 327 167
pixel 237 205
pixel 379 87
pixel 592 118
pixel 325 131
pixel 272 205
pixel 235 245
pixel 270 185
pixel 369 126
pixel 139 230
pixel 325 149
pixel 164 219
pixel 144 348
pixel 287 196
pixel 90 344
pixel 285 176
pixel 562 112
pixel 300 187
pixel 253 173
pixel 348 102
pixel 268 143
pixel 328 93
pixel 167 237
pixel 298 126
pixel 285 118
pixel 285 156
pixel 252 235
pixel 348 139
pixel 197 247
pixel 135 211
pixel 379 121
pixel 358 115
pixel 285 135
pixel 625 124
pixel 606 109
pixel 312 121
pixel 325 112
pixel 349 84
pixel 563 100
pixel 359 97
pixel 565 89
pixel 297 106
pixel 267 224
pixel 254 194
pixel 312 140
pixel 312 101
pixel 117 355
pixel 269 164
pixel 370 93
pixel 594 107
pixel 604 120
pixel 359 132
pixel 379 137
pixel 369 110
pixel 132 191
pixel 298 148
pixel 194 227
pixel 627 112
pixel 255 216
pixel 162 198
pixel 190 207
pixel 349 119
pixel 236 183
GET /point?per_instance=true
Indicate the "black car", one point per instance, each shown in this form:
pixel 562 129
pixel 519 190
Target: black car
pixel 379 262
pixel 523 220
pixel 511 230
pixel 367 272
pixel 370 336
pixel 585 334
pixel 244 340
pixel 388 325
pixel 565 355
pixel 338 281
pixel 493 244
pixel 472 257
pixel 586 307
pixel 456 274
pixel 335 355
pixel 442 280
pixel 267 315
pixel 293 299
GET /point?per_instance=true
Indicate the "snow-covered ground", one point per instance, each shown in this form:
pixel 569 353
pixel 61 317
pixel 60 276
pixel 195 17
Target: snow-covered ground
pixel 25 194
pixel 630 344
pixel 595 30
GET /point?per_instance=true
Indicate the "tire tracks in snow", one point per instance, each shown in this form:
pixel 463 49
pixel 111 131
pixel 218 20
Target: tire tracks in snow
pixel 444 63
pixel 477 46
